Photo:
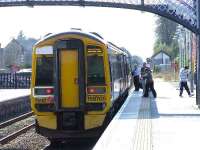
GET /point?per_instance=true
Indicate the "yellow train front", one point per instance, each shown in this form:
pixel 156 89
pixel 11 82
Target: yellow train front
pixel 77 82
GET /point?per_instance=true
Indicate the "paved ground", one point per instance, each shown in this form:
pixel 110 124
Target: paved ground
pixel 8 94
pixel 175 120
pixel 168 122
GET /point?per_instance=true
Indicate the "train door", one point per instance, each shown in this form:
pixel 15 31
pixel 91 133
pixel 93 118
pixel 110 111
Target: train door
pixel 69 74
pixel 69 78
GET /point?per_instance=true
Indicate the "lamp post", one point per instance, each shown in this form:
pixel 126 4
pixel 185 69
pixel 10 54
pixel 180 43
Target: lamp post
pixel 191 63
pixel 182 46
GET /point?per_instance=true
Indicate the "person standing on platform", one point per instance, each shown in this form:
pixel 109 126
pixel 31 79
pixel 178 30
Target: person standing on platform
pixel 184 73
pixel 136 77
pixel 149 83
pixel 143 77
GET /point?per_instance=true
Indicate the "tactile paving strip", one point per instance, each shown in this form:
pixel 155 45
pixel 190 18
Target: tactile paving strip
pixel 143 132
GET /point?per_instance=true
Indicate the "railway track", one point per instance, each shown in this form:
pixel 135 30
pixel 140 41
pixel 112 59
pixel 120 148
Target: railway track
pixel 13 135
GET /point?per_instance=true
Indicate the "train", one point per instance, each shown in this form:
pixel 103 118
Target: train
pixel 78 81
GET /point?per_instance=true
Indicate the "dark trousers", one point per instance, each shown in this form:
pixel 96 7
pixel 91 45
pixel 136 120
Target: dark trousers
pixel 184 84
pixel 150 86
pixel 136 81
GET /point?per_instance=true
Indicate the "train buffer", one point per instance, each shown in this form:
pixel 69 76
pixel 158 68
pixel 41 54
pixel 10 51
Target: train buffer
pixel 168 122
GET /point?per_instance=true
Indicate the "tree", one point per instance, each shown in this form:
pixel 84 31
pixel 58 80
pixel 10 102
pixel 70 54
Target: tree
pixel 174 49
pixel 165 32
pixel 27 43
pixel 21 36
pixel 171 49
pixel 137 60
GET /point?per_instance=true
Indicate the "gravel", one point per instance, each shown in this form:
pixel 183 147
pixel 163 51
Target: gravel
pixel 16 126
pixel 27 141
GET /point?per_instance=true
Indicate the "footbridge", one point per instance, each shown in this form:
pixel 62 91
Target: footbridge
pixel 181 11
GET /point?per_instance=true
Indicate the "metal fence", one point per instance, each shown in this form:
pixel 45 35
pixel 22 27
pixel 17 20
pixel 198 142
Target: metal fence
pixel 15 80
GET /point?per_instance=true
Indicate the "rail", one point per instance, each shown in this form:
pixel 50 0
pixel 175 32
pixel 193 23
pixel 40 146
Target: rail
pixel 13 135
pixel 16 134
pixel 16 119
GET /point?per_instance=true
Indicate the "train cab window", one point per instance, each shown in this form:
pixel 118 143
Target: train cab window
pixel 44 71
pixel 95 70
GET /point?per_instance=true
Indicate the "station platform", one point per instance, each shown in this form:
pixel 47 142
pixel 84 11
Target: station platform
pixel 10 94
pixel 14 102
pixel 168 122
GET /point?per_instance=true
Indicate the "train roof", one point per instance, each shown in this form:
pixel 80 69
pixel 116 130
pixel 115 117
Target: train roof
pixel 92 35
pixel 116 48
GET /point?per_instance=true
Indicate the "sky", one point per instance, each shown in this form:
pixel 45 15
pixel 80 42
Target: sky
pixel 131 29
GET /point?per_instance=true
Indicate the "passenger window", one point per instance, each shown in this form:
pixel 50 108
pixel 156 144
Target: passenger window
pixel 95 70
pixel 44 71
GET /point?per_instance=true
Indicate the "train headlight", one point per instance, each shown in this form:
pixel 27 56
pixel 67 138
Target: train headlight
pixel 49 91
pixel 96 90
pixel 40 91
